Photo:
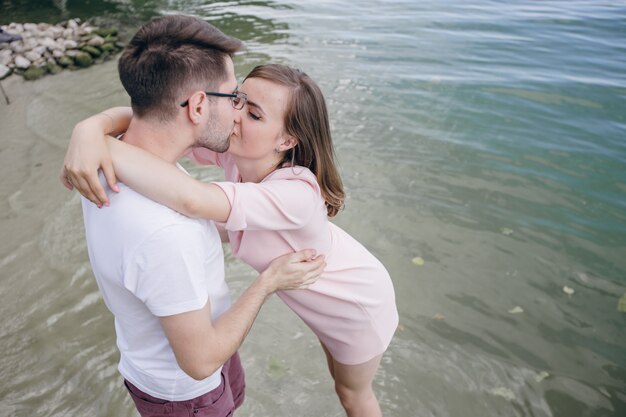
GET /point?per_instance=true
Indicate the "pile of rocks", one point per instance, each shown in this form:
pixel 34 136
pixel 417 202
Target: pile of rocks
pixel 45 48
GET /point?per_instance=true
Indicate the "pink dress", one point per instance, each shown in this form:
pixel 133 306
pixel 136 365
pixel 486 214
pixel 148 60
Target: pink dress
pixel 351 308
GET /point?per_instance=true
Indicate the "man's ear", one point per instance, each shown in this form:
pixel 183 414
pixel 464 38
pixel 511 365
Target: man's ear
pixel 287 142
pixel 196 108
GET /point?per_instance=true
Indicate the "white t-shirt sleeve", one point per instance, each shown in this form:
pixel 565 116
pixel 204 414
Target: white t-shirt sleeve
pixel 168 271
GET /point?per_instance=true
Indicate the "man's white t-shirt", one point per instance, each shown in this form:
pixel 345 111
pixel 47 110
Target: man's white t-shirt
pixel 149 262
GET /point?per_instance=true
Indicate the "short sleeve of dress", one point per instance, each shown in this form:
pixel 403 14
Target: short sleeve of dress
pixel 168 271
pixel 277 203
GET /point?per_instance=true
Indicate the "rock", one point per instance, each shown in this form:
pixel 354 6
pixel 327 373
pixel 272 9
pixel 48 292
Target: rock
pixel 30 43
pixel 16 27
pixel 95 41
pixel 70 44
pixel 65 61
pixel 92 50
pixel 83 59
pixel 21 62
pixel 34 72
pixel 59 44
pixel 56 31
pixel 104 32
pixel 6 56
pixel 82 33
pixel 6 37
pixel 48 42
pixel 110 39
pixel 107 47
pixel 41 49
pixel 4 71
pixel 82 41
pixel 17 46
pixel 53 68
pixel 48 48
pixel 45 34
pixel 32 56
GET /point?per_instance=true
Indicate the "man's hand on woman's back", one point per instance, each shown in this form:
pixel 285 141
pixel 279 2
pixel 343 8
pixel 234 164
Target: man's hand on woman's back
pixel 294 271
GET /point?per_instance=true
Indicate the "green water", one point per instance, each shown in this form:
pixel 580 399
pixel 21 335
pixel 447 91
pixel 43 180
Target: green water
pixel 486 137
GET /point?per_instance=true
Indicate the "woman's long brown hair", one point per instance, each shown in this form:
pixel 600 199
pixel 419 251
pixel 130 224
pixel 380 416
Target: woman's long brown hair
pixel 306 119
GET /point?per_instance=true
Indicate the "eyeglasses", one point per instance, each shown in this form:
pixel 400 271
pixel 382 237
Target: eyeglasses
pixel 238 99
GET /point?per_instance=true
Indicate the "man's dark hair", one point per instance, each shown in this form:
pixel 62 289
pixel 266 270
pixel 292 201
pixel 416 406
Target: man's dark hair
pixel 170 56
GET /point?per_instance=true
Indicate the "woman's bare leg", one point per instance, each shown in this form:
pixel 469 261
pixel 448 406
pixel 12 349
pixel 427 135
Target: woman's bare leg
pixel 329 360
pixel 353 384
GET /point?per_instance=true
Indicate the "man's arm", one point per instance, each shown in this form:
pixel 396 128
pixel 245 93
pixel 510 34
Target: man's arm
pixel 201 345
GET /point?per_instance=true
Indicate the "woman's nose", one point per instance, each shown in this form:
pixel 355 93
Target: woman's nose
pixel 238 115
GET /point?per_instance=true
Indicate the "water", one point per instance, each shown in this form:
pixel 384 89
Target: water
pixel 485 137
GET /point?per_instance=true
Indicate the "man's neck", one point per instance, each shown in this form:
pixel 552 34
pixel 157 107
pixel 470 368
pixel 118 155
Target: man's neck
pixel 165 140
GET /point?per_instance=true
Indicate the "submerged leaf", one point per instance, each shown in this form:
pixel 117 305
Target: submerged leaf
pixel 604 392
pixel 540 376
pixel 582 277
pixel 621 304
pixel 503 392
pixel 567 290
pixel 277 368
pixel 418 261
pixel 506 231
pixel 516 310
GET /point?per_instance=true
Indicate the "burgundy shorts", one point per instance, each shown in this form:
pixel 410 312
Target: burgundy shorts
pixel 221 402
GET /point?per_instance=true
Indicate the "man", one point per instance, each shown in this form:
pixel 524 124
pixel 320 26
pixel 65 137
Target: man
pixel 160 273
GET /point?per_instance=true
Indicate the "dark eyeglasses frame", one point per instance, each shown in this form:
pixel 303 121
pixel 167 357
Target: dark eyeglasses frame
pixel 237 95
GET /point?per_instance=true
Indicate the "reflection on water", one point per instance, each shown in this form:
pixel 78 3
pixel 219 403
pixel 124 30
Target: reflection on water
pixel 464 138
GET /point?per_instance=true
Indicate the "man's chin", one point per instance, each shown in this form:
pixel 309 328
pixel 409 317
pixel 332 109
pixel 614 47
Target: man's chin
pixel 223 147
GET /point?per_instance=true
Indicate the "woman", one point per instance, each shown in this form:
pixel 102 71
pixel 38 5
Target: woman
pixel 283 185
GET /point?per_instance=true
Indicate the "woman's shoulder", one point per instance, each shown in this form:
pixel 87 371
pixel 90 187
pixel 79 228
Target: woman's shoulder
pixel 292 173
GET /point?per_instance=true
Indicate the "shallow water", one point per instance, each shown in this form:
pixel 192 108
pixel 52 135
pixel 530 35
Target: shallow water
pixel 485 138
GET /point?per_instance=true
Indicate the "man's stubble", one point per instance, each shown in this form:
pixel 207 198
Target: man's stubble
pixel 214 137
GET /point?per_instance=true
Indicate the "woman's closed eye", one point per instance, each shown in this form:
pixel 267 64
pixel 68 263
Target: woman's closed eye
pixel 254 116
